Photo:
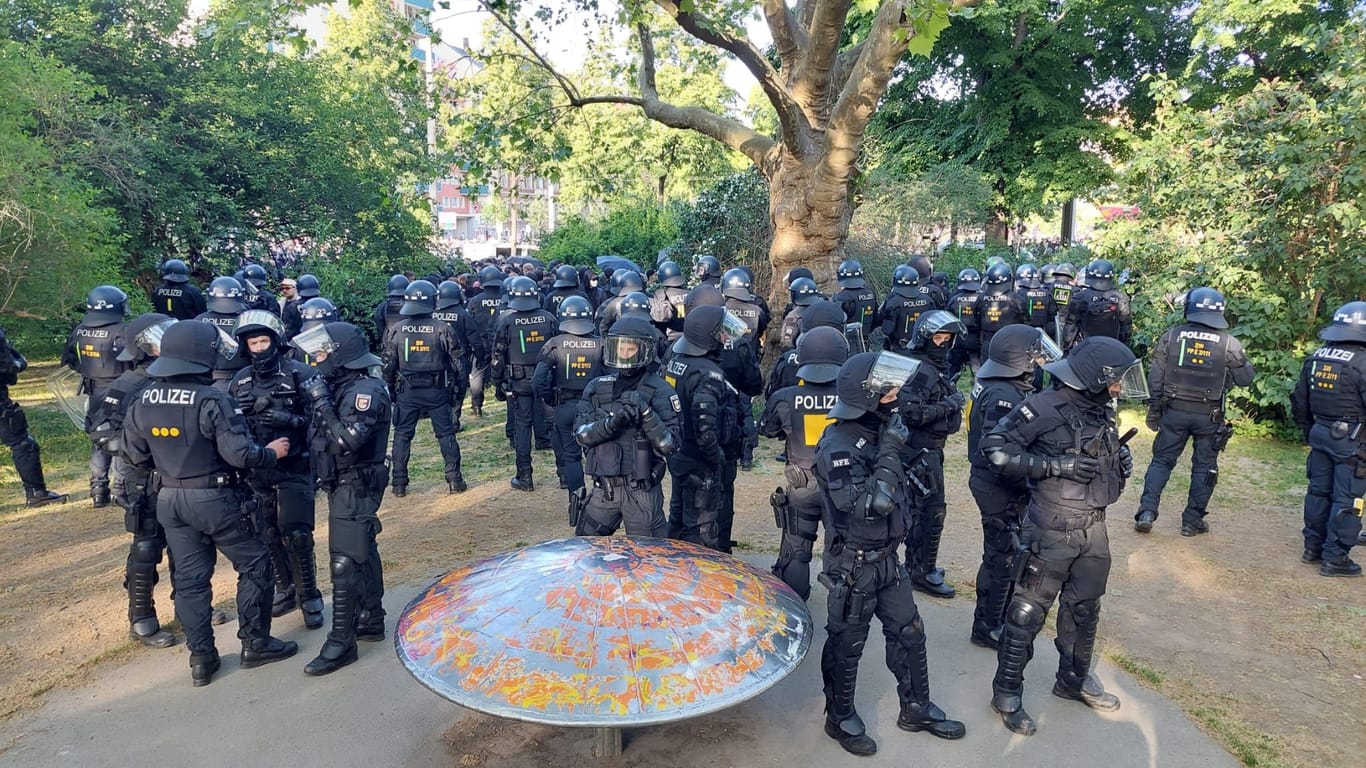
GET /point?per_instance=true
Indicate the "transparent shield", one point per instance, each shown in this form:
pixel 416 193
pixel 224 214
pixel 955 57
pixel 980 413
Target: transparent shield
pixel 853 333
pixel 889 372
pixel 65 386
pixel 1134 384
pixel 227 345
pixel 732 328
pixel 263 318
pixel 1048 349
pixel 315 341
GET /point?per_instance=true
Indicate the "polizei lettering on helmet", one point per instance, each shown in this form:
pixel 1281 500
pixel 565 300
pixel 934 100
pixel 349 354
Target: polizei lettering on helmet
pixel 176 396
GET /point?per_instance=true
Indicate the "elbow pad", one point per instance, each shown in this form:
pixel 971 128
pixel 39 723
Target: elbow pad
pixel 1010 462
pixel 594 433
pixel 879 500
pixel 661 438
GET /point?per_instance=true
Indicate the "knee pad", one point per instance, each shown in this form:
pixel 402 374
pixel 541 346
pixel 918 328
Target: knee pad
pixel 1025 615
pixel 145 551
pixel 298 540
pixel 852 640
pixel 343 567
pixel 912 634
pixel 1086 612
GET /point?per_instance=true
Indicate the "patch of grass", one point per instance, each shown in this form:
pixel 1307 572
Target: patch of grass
pixel 1252 747
pixel 1149 676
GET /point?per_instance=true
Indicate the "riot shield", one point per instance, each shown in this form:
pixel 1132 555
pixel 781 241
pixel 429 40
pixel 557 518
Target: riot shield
pixel 853 333
pixel 65 386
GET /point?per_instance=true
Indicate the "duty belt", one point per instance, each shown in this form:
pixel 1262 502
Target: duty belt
pixel 1339 428
pixel 217 480
pixel 568 396
pixel 1193 406
pixel 617 481
pixel 1078 521
pixel 862 553
pixel 352 474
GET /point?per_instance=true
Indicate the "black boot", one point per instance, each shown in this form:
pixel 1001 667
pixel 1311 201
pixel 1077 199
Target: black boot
pixel 1144 522
pixel 457 484
pixel 41 497
pixel 340 648
pixel 399 490
pixel 925 576
pixel 1008 686
pixel 285 599
pixel 1087 690
pixel 141 578
pixel 1074 679
pixel 259 651
pixel 918 713
pixel 99 496
pixel 851 734
pixel 842 722
pixel 306 578
pixel 202 667
pixel 522 481
pixel 1343 566
pixel 986 629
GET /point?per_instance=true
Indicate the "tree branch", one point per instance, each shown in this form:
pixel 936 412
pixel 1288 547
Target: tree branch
pixel 867 80
pixel 844 64
pixel 790 117
pixel 785 35
pixel 812 80
pixel 732 133
pixel 565 84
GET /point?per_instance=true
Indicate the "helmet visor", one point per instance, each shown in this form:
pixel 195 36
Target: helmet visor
pixel 1133 384
pixel 315 341
pixel 732 329
pixel 227 345
pixel 628 352
pixel 262 318
pixel 889 372
pixel 149 340
pixel 1048 351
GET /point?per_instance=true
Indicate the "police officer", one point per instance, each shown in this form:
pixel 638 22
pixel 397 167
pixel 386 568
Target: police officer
pixel 804 293
pixel 272 395
pixel 195 438
pixel 421 354
pixel 1063 443
pixel 1002 383
pixel 177 296
pixel 1036 300
pixel 517 341
pixel 996 306
pixel 1097 308
pixel 856 297
pixel 1194 366
pixel 567 364
pixel 390 309
pixel 797 415
pixel 14 431
pixel 350 432
pixel 710 427
pixel 450 306
pixel 311 314
pixel 932 407
pixel 624 281
pixel 866 499
pixel 306 288
pixel 1329 405
pixel 566 284
pixel 485 308
pixel 139 498
pixel 92 351
pixel 707 270
pixel 227 300
pixel 738 289
pixel 822 314
pixel 254 280
pixel 666 306
pixel 1060 283
pixel 905 303
pixel 627 423
pixel 963 304
pixel 924 270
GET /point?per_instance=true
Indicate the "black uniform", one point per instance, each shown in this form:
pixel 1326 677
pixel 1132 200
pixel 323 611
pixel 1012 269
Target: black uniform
pixel 182 301
pixel 792 326
pixel 1000 500
pixel 1097 313
pixel 421 355
pixel 967 351
pixel 551 301
pixel 484 308
pixel 1329 405
pixel 995 311
pixel 904 305
pixel 196 439
pixel 471 340
pixel 797 415
pixel 386 315
pixel 1193 366
pixel 230 358
pixel 932 409
pixel 627 422
pixel 517 341
pixel 290 317
pixel 609 312
pixel 567 364
pixel 740 363
pixel 14 428
pixel 668 312
pixel 783 375
pixel 756 317
pixel 860 305
pixel 273 399
pixel 92 350
pixel 710 430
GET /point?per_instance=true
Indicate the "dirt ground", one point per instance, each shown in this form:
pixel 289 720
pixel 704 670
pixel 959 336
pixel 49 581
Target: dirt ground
pixel 1263 653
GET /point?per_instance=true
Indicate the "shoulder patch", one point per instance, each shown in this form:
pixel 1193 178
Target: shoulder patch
pixel 676 403
pixel 717 375
pixel 362 402
pixel 862 441
pixel 1027 413
pixel 841 459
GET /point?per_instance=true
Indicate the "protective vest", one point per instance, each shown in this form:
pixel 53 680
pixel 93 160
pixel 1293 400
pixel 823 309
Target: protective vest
pixel 364 399
pixel 991 400
pixel 1337 379
pixel 1061 427
pixel 1038 305
pixel 1197 364
pixel 168 416
pixel 1062 295
pixel 964 306
pixel 1098 314
pixel 844 466
pixel 177 300
pixel 459 322
pixel 392 314
pixel 618 457
pixel 668 310
pixel 688 374
pixel 577 361
pixel 860 306
pixel 526 332
pixel 749 313
pixel 418 345
pixel 994 312
pixel 902 313
pixel 283 390
pixel 806 420
pixel 484 308
pixel 97 348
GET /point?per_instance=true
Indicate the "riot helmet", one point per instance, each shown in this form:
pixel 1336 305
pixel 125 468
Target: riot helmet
pixel 398 285
pixel 1206 307
pixel 522 294
pixel 307 287
pixel 627 281
pixel 671 275
pixel 187 347
pixel 934 322
pixel 637 302
pixel 850 274
pixel 449 295
pixel 256 275
pixel 259 322
pixel 866 378
pixel 490 277
pixel 969 280
pixel 703 295
pixel 317 311
pixel 1017 350
pixel 820 353
pixel 1100 275
pixel 1097 362
pixel 566 276
pixel 1066 270
pixel 823 313
pixel 905 275
pixel 419 298
pixel 576 316
pixel 630 344
pixel 804 292
pixel 997 280
pixel 226 296
pixel 1026 276
pixel 175 271
pixel 922 266
pixel 796 273
pixel 105 305
pixel 1349 323
pixel 336 346
pixel 144 336
pixel 737 284
pixel 706 267
pixel 708 328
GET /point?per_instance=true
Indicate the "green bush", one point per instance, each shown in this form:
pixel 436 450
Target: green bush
pixel 636 230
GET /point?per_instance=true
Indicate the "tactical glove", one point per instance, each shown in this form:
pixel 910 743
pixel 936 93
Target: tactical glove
pixel 1079 468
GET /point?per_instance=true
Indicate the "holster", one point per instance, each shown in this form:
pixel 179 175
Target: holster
pixel 249 522
pixel 138 516
pixel 578 500
pixel 782 513
pixel 643 459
